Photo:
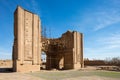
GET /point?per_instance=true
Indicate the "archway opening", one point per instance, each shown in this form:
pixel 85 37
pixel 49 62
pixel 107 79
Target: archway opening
pixel 43 60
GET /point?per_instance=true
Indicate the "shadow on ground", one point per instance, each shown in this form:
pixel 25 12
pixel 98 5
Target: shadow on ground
pixel 6 70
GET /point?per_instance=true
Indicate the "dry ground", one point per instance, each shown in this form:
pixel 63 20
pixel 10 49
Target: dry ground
pixel 91 78
pixel 28 77
pixel 56 75
pixel 90 73
pixel 17 76
pixel 77 75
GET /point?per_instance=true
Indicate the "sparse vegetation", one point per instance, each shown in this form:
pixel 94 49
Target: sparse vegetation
pixel 56 75
pixel 113 61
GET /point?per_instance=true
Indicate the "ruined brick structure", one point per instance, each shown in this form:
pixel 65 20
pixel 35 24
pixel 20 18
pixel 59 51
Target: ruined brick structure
pixel 65 52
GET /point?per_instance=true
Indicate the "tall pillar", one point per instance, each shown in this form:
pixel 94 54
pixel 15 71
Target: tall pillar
pixel 81 50
pixel 27 38
pixel 20 33
pixel 78 50
pixel 39 43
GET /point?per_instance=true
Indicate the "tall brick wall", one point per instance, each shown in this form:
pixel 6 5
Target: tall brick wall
pixel 26 48
pixel 64 52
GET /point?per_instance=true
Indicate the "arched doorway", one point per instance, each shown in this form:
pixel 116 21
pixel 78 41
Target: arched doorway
pixel 43 60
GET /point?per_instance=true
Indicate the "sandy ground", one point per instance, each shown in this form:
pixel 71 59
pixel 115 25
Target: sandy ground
pixel 22 76
pixel 28 76
pixel 17 76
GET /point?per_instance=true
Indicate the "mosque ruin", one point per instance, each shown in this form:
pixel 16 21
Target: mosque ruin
pixel 65 52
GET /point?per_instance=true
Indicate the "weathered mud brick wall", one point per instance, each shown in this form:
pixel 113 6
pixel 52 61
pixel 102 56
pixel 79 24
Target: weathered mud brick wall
pixel 73 52
pixel 26 48
pixel 65 52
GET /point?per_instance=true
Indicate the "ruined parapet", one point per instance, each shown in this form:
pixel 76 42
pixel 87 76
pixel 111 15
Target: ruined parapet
pixel 65 52
pixel 26 48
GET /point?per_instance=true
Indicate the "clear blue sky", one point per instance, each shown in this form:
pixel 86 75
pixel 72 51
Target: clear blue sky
pixel 98 20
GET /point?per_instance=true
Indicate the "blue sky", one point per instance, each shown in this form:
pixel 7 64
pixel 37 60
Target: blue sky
pixel 98 20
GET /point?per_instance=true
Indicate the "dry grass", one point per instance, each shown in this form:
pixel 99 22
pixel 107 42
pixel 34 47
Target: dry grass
pixel 78 75
pixel 90 73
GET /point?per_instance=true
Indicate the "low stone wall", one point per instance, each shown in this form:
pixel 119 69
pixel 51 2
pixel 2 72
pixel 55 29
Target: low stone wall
pixel 94 63
pixel 5 63
pixel 99 63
